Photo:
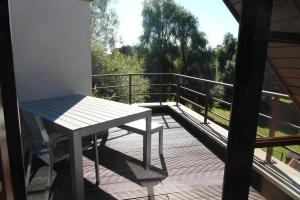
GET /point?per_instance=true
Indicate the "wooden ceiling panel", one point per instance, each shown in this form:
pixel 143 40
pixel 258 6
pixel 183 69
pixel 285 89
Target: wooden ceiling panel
pixel 297 98
pixel 284 10
pixel 284 57
pixel 238 6
pixel 280 45
pixel 295 90
pixel 235 1
pixel 288 62
pixel 291 73
pixel 284 52
pixel 292 82
pixel 279 2
pixel 288 25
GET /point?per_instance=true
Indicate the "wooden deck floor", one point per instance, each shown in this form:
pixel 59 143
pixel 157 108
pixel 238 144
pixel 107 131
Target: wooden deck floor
pixel 188 170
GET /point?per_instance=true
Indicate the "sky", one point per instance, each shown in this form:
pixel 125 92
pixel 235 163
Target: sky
pixel 213 16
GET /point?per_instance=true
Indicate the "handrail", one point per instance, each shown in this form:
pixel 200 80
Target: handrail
pixel 265 92
pixel 277 141
pixel 134 74
pixel 177 87
pixel 204 80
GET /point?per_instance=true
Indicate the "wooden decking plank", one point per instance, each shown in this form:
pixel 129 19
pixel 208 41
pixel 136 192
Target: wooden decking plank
pixel 188 170
pixel 168 152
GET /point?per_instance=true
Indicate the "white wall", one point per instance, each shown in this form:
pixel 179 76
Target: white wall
pixel 51 47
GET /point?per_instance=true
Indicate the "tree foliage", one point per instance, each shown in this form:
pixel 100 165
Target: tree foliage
pixel 171 41
pixel 117 63
pixel 225 59
pixel 108 60
pixel 225 66
pixel 103 23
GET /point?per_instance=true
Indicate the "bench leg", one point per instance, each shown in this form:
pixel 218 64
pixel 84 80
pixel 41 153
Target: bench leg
pixel 50 173
pixel 28 171
pixel 147 144
pixel 160 140
pixel 96 159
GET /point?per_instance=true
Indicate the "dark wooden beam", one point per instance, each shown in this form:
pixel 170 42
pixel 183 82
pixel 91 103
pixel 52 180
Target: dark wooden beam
pixel 274 36
pixel 250 67
pixel 277 141
pixel 232 10
pixel 10 118
pixel 284 37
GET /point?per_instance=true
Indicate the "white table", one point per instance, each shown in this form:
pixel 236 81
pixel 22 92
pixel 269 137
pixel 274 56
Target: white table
pixel 81 116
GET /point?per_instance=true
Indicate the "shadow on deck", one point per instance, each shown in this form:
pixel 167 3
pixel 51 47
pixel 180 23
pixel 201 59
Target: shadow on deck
pixel 188 169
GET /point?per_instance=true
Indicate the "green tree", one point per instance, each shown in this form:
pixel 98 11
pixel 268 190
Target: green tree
pixel 225 65
pixel 171 40
pixel 117 63
pixel 156 39
pixel 225 59
pixel 103 23
pixel 108 60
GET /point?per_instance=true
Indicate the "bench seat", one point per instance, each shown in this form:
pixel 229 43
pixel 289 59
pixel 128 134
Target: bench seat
pixel 139 127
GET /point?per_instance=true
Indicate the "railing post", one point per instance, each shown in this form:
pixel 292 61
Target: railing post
pixel 206 108
pixel 178 90
pixel 129 88
pixel 94 90
pixel 160 88
pixel 273 123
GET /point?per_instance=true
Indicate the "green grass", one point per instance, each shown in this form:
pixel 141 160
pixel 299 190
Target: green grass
pixel 278 152
pixel 287 101
pixel 219 120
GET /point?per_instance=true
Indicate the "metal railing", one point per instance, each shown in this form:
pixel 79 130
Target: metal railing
pixel 178 89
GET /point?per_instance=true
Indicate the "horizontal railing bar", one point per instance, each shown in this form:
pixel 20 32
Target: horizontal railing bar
pixel 113 86
pixel 264 115
pixel 142 74
pixel 218 115
pixel 289 124
pixel 155 84
pixel 220 100
pixel 277 141
pixel 137 85
pixel 154 93
pixel 193 91
pixel 114 97
pixel 133 74
pixel 163 84
pixel 260 135
pixel 280 121
pixel 269 93
pixel 205 80
pixel 101 75
pixel 264 92
pixel 287 148
pixel 191 102
pixel 291 150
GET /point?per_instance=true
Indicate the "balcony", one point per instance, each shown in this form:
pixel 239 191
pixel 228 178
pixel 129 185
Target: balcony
pixel 195 131
pixel 187 170
pixel 175 96
pixel 192 166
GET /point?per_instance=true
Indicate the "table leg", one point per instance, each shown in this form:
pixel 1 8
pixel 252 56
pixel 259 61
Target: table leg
pixel 96 158
pixel 147 144
pixel 76 166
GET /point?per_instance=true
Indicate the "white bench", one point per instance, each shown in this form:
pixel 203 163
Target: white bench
pixel 139 127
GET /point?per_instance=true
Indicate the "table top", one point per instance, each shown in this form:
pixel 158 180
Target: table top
pixel 77 111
